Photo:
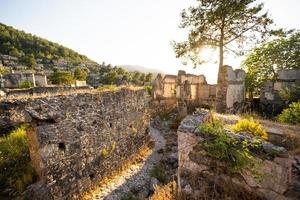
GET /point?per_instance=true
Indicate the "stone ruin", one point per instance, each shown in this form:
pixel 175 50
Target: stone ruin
pixel 271 102
pixel 77 139
pixel 15 80
pixel 226 96
pixel 199 178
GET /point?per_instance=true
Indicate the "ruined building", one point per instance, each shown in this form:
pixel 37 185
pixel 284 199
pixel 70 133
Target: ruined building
pixel 226 96
pixel 271 101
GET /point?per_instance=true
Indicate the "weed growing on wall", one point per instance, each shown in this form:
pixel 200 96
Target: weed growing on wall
pixel 236 155
pixel 251 127
pixel 16 170
pixel 103 153
pixel 149 89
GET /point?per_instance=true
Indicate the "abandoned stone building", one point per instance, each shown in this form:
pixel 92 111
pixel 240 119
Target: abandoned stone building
pixel 271 101
pixel 15 80
pixel 226 96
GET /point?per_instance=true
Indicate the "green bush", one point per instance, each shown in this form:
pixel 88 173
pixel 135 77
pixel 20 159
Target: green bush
pixel 251 127
pixel 61 78
pixel 148 89
pixel 26 85
pixel 129 196
pixel 16 170
pixel 224 148
pixel 291 115
pixel 159 172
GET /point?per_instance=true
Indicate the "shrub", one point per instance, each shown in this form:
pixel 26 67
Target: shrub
pixel 159 172
pixel 224 148
pixel 148 89
pixel 26 84
pixel 107 88
pixel 129 196
pixel 61 78
pixel 16 170
pixel 291 115
pixel 251 127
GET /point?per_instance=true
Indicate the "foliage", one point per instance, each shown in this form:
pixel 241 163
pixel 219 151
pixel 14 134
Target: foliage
pixel 291 115
pixel 219 145
pixel 159 172
pixel 149 89
pixel 106 74
pixel 264 62
pixel 26 84
pixel 103 153
pixel 107 88
pixel 30 61
pixel 80 74
pixel 251 127
pixel 61 78
pixel 290 94
pixel 30 47
pixel 129 196
pixel 16 170
pixel 218 24
pixel 3 71
pixel 166 192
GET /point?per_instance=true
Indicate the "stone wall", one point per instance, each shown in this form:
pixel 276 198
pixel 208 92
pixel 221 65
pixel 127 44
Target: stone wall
pixel 15 80
pixel 78 139
pixel 271 102
pixel 201 176
pixel 227 96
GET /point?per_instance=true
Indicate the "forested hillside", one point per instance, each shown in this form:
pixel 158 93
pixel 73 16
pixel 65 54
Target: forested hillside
pixel 22 45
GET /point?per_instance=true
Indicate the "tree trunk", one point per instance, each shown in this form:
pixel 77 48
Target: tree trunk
pixel 221 54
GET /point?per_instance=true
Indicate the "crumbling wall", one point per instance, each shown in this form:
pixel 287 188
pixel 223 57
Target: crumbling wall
pixel 201 176
pixel 271 102
pixel 230 89
pixel 227 96
pixel 78 139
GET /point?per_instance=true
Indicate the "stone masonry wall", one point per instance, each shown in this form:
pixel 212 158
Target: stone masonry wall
pixel 78 139
pixel 226 96
pixel 201 176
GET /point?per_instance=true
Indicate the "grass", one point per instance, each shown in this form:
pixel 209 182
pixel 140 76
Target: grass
pixel 16 170
pixel 108 88
pixel 235 155
pixel 166 192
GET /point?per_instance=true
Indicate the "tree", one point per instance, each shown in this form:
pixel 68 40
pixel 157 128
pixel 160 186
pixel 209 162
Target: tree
pixel 31 62
pixel 218 24
pixel 264 62
pixel 148 77
pixel 61 78
pixel 80 74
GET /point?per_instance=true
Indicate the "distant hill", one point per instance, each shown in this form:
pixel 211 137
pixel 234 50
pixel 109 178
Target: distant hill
pixel 22 45
pixel 142 69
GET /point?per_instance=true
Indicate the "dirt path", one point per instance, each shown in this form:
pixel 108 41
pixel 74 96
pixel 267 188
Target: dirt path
pixel 136 177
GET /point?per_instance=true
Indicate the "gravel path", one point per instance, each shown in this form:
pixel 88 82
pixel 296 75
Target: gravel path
pixel 137 176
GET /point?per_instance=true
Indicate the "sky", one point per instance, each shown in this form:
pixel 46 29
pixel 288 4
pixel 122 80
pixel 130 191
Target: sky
pixel 131 32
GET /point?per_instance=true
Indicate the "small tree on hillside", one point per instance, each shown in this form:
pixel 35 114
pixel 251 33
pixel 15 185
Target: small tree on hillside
pixel 61 78
pixel 218 24
pixel 80 74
